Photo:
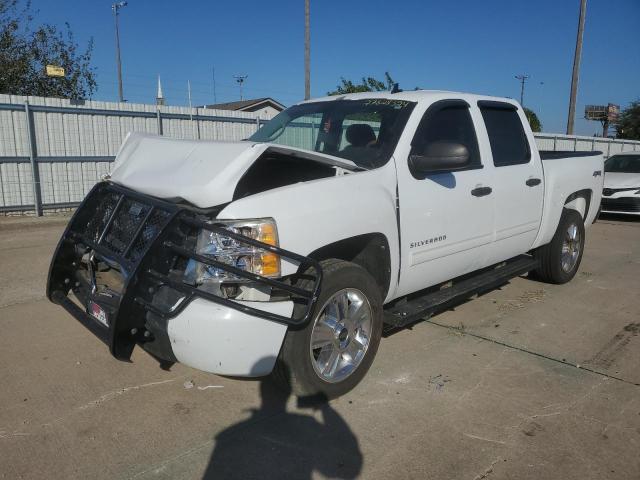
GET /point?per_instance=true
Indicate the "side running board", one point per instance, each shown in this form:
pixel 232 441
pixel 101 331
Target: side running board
pixel 404 313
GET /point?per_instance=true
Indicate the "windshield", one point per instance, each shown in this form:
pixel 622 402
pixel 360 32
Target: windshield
pixel 363 131
pixel 623 164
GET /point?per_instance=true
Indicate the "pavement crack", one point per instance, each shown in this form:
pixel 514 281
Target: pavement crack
pixel 530 352
pixel 488 471
pixel 22 302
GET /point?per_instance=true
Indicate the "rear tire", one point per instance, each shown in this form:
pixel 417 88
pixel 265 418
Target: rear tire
pixel 560 259
pixel 345 329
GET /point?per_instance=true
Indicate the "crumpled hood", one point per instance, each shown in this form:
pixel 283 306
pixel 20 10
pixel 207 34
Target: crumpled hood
pixel 204 173
pixel 621 180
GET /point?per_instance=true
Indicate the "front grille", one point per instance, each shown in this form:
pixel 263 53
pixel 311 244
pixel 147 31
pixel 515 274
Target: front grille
pixel 103 208
pixel 123 225
pixel 147 234
pixel 631 205
pixel 607 192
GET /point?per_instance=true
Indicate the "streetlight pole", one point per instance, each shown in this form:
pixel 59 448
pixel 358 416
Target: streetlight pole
pixel 523 78
pixel 576 68
pixel 116 7
pixel 307 53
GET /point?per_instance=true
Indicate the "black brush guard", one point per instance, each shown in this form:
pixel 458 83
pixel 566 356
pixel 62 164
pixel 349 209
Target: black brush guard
pixel 145 243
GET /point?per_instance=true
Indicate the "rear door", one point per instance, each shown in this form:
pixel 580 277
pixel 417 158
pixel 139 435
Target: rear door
pixel 446 218
pixel 517 181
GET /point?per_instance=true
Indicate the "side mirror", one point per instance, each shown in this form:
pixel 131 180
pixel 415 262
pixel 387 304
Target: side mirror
pixel 440 157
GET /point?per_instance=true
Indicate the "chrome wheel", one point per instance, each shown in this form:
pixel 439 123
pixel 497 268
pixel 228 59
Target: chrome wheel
pixel 571 248
pixel 341 334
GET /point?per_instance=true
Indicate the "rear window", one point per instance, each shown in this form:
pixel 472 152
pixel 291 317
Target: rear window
pixel 509 144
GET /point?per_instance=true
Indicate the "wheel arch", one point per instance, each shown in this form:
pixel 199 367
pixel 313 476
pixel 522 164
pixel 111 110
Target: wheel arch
pixel 369 250
pixel 580 201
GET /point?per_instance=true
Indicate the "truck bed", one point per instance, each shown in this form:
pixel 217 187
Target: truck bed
pixel 556 154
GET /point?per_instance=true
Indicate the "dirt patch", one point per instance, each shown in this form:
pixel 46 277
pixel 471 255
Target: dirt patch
pixel 530 296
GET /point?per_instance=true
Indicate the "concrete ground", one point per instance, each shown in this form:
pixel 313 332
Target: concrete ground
pixel 530 381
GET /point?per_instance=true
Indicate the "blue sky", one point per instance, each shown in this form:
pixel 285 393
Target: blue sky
pixel 464 45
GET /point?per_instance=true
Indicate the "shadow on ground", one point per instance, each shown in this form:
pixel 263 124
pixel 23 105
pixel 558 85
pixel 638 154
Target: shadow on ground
pixel 275 443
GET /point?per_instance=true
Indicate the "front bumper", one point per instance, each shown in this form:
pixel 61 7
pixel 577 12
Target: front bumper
pixel 222 340
pixel 124 254
pixel 620 204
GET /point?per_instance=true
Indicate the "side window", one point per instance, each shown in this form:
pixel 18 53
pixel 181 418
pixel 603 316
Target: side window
pixel 509 144
pixel 447 121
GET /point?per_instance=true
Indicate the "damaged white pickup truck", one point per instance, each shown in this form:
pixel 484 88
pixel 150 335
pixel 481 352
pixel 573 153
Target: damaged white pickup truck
pixel 289 252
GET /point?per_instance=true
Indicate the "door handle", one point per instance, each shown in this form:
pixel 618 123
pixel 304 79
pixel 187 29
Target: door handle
pixel 532 182
pixel 481 191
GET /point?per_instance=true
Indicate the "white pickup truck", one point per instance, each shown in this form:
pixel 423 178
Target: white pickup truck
pixel 291 251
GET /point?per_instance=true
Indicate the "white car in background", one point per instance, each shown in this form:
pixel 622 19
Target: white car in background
pixel 621 193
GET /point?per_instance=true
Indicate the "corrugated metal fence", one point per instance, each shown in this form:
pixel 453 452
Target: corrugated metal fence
pixel 576 143
pixel 52 151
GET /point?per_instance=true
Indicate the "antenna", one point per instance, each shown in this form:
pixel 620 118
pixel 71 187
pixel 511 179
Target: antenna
pixel 240 79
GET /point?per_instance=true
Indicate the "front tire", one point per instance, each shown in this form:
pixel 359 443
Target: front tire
pixel 560 258
pixel 334 351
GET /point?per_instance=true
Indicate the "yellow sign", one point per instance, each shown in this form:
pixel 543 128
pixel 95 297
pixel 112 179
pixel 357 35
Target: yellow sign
pixel 55 71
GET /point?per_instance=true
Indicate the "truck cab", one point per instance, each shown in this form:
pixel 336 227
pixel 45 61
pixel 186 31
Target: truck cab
pixel 288 253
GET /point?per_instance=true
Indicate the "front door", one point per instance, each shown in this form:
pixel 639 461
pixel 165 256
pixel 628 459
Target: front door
pixel 446 218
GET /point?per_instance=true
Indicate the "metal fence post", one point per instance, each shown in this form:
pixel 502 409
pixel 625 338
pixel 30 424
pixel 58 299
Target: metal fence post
pixel 197 124
pixel 159 117
pixel 33 158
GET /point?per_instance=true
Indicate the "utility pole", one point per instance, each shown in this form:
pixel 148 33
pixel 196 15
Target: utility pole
pixel 576 68
pixel 116 7
pixel 307 53
pixel 240 79
pixel 523 78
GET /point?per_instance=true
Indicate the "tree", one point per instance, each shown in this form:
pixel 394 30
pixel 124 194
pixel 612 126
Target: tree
pixel 26 50
pixel 534 121
pixel 369 84
pixel 628 125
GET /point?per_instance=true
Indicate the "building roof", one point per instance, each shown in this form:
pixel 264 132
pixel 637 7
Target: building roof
pixel 248 105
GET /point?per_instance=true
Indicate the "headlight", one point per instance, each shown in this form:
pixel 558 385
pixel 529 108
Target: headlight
pixel 235 253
